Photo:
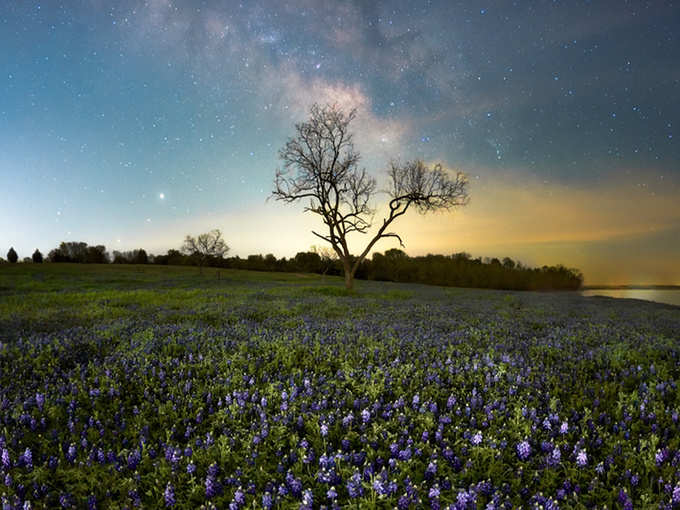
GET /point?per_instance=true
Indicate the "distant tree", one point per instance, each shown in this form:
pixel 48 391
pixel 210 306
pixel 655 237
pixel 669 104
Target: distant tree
pixel 37 257
pixel 140 256
pixel 307 262
pixel 205 246
pixel 27 260
pixel 174 258
pixel 96 255
pixel 255 262
pixel 321 165
pixel 119 257
pixel 72 251
pixel 12 256
pixel 270 262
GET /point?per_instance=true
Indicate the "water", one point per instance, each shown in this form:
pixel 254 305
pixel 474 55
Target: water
pixel 670 296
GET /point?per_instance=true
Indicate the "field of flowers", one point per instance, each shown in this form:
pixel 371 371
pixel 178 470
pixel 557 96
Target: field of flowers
pixel 159 387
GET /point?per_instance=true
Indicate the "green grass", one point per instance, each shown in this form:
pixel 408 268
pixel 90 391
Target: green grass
pixel 50 297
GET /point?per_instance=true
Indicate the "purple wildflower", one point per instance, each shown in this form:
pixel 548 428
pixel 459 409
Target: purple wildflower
pixel 354 486
pixel 676 495
pixel 307 500
pixel 71 453
pixel 524 450
pixel 581 458
pixel 27 457
pixel 169 495
pixel 477 438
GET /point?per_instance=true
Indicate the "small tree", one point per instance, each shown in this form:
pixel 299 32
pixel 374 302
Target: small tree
pixel 205 246
pixel 320 164
pixel 37 256
pixel 12 256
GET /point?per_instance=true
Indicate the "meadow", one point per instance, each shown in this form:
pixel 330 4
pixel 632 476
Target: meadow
pixel 159 386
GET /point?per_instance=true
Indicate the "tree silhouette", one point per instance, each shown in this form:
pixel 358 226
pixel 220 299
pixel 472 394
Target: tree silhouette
pixel 205 246
pixel 320 163
pixel 12 256
pixel 37 256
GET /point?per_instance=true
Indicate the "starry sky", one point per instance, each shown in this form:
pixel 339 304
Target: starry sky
pixel 134 123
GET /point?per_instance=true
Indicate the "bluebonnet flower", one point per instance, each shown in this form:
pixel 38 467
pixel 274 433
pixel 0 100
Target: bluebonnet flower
pixel 267 501
pixel 477 438
pixel 675 499
pixel 239 499
pixel 434 493
pixel 465 499
pixel 524 450
pixel 365 415
pixel 404 502
pixel 134 459
pixel 660 456
pixel 331 493
pixel 354 485
pixel 27 458
pixel 307 500
pixel 431 470
pixel 378 486
pixel 554 456
pixel 405 454
pixel 5 459
pixel 347 420
pixel 212 486
pixel 169 495
pixel 581 458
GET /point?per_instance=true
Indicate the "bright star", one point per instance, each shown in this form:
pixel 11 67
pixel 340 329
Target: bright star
pixel 161 196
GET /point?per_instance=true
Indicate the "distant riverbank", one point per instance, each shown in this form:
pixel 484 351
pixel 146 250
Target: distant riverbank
pixel 669 295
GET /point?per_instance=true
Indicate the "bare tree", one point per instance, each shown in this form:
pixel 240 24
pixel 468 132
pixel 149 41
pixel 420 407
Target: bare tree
pixel 205 246
pixel 321 164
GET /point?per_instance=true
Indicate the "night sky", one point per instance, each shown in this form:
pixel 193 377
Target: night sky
pixel 132 123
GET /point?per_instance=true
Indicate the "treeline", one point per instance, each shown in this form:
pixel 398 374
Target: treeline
pixel 458 270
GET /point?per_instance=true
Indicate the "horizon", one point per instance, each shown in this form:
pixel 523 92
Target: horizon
pixel 135 124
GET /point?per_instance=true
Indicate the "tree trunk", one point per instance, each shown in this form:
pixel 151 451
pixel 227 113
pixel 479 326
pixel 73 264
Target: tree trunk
pixel 349 276
pixel 349 280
